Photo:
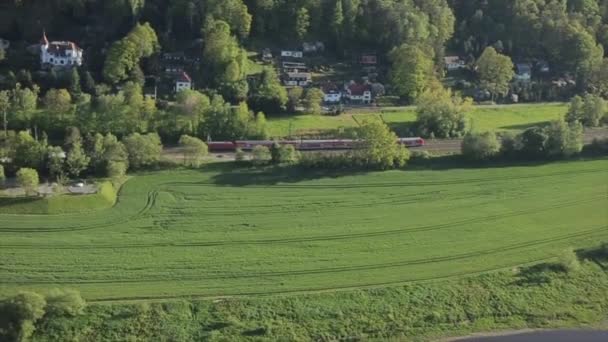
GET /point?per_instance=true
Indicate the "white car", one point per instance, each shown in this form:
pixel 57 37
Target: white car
pixel 79 185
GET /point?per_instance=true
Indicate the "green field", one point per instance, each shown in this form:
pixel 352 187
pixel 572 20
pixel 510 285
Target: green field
pixel 483 118
pixel 222 231
pixel 60 204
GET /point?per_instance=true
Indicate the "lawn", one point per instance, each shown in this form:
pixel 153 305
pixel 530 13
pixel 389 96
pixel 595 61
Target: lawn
pixel 222 231
pixel 483 118
pixel 60 204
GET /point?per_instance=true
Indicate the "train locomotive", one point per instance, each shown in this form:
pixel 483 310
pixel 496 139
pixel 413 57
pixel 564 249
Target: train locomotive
pixel 301 145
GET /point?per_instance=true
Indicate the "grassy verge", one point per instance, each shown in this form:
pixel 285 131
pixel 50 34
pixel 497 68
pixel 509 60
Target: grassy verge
pixel 483 118
pixel 61 204
pixel 541 296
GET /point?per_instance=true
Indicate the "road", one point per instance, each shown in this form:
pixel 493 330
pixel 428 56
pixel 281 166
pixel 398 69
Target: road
pixel 545 336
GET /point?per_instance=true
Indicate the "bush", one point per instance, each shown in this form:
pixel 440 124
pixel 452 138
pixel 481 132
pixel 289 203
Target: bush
pixel 21 312
pixel 144 150
pixel 28 179
pixel 194 150
pixel 480 146
pixel 260 155
pixel 116 170
pixel 568 261
pixel 533 142
pixel 442 114
pixel 239 155
pixel 599 146
pixel 284 154
pixel 420 155
pixel 65 302
pixel 379 148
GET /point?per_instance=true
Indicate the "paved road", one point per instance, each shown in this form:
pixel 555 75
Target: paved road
pixel 545 336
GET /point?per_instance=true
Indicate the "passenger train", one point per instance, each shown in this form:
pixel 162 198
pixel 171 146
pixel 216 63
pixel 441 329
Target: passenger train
pixel 301 145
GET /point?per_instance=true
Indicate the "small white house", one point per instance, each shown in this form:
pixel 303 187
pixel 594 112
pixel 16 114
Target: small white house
pixel 292 54
pixel 332 97
pixel 59 53
pixel 453 63
pixel 183 81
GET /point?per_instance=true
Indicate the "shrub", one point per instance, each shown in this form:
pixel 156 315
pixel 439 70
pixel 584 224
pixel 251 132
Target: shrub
pixel 568 261
pixel 144 150
pixel 379 148
pixel 480 146
pixel 284 154
pixel 260 155
pixel 194 150
pixel 442 114
pixel 239 155
pixel 533 143
pixel 599 146
pixel 28 179
pixel 509 145
pixel 22 310
pixel 65 302
pixel 420 155
pixel 116 170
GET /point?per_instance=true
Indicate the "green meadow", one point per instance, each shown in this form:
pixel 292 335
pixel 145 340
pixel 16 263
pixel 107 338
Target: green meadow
pixel 483 118
pixel 225 231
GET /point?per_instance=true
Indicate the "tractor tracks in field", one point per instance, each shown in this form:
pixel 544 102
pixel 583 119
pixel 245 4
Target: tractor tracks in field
pixel 152 195
pixel 421 183
pixel 323 238
pixel 333 270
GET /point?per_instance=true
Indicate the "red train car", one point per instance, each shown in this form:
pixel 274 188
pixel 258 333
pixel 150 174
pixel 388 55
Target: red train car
pixel 302 145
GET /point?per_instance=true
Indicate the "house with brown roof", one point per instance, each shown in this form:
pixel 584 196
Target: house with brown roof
pixel 359 92
pixel 59 53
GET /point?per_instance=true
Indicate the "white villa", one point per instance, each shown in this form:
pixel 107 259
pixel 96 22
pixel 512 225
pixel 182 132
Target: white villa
pixel 58 53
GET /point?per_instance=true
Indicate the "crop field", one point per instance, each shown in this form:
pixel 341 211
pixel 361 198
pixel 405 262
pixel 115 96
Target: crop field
pixel 222 231
pixel 483 118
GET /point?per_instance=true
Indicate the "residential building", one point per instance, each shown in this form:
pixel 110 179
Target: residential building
pixel 331 93
pixel 360 93
pixel 292 54
pixel 297 79
pixel 267 55
pixel 453 63
pixel 59 53
pixel 293 67
pixel 313 47
pixel 332 97
pixel 368 59
pixel 182 81
pixel 523 72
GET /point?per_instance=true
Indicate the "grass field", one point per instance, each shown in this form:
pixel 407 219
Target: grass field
pixel 60 204
pixel 483 118
pixel 222 231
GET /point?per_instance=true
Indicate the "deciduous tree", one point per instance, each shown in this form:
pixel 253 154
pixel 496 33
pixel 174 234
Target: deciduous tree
pixel 495 72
